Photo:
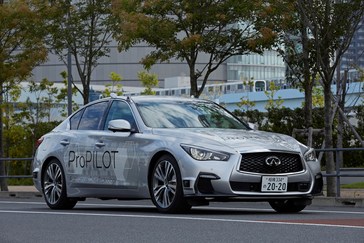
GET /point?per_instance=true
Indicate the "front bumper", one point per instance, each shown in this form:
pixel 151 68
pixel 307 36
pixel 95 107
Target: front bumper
pixel 217 180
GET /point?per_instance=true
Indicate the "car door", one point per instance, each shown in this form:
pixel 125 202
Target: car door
pixel 82 158
pixel 123 148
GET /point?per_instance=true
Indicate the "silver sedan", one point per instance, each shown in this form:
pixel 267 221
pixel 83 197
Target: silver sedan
pixel 178 152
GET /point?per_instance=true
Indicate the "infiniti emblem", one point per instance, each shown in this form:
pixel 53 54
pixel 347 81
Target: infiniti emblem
pixel 272 161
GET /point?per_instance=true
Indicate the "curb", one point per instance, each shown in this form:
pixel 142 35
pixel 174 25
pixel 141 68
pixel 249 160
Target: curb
pixel 335 202
pixel 17 194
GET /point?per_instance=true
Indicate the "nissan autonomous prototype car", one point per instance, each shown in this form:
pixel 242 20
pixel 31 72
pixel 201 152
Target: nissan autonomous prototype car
pixel 178 152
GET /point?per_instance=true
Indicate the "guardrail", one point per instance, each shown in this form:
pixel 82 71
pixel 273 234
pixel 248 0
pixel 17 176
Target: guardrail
pixel 339 172
pixel 342 172
pixel 15 159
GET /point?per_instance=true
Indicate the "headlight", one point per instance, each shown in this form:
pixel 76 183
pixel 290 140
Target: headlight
pixel 310 155
pixel 205 154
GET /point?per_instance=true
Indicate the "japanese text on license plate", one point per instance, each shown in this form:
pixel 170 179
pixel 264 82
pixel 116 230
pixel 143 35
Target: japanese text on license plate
pixel 274 183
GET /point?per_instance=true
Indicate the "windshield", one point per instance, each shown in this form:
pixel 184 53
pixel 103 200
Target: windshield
pixel 186 114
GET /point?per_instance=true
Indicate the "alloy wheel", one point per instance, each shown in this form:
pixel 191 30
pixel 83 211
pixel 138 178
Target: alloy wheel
pixel 164 184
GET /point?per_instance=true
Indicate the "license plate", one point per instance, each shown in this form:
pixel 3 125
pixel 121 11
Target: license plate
pixel 274 183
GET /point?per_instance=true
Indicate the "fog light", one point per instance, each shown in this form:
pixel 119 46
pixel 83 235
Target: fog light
pixel 186 183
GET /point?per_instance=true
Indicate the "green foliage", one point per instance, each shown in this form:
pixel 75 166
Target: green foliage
pixel 272 102
pixel 115 86
pixel 21 49
pixel 317 97
pixel 252 116
pixel 187 29
pixel 21 181
pixel 62 96
pixel 357 158
pixel 357 185
pixel 20 141
pixel 21 41
pixel 246 104
pixel 283 120
pixel 83 28
pixel 149 80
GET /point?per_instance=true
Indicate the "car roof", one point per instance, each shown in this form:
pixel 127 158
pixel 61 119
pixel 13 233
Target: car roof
pixel 146 98
pixel 162 98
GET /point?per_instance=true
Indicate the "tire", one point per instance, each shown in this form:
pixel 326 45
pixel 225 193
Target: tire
pixel 54 187
pixel 287 206
pixel 165 186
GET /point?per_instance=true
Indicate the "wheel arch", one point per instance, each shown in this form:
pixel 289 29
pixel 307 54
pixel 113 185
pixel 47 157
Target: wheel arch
pixel 44 166
pixel 154 160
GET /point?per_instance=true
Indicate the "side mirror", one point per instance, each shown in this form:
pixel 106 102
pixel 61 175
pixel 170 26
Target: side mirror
pixel 252 126
pixel 119 125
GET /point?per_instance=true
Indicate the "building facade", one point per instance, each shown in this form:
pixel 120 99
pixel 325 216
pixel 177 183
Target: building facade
pixel 268 66
pixel 353 58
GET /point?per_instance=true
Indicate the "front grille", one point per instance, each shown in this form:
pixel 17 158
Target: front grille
pixel 256 163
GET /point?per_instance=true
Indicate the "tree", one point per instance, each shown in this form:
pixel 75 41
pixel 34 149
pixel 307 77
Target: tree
pixel 62 96
pixel 189 29
pixel 35 111
pixel 21 49
pixel 272 102
pixel 84 29
pixel 296 47
pixel 332 24
pixel 115 86
pixel 149 80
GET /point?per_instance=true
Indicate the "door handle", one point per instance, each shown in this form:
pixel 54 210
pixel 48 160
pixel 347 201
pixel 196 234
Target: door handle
pixel 99 144
pixel 65 142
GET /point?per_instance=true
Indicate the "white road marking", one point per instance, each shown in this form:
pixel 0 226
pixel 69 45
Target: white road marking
pixel 200 207
pixel 179 217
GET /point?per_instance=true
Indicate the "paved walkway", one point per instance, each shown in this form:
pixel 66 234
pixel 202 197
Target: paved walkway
pixel 22 189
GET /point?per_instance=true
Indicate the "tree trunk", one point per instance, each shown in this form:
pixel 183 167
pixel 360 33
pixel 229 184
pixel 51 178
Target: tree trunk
pixel 308 105
pixel 193 81
pixel 341 93
pixel 86 92
pixel 329 156
pixel 308 83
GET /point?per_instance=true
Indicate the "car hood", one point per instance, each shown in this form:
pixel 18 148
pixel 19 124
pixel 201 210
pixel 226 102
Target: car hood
pixel 240 140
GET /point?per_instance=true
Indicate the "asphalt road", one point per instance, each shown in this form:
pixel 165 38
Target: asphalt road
pixel 29 220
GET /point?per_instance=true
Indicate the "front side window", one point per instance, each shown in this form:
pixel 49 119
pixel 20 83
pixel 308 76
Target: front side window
pixel 171 114
pixel 92 116
pixel 120 110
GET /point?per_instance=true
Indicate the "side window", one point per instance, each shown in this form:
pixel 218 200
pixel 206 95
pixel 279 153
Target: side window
pixel 75 119
pixel 92 116
pixel 120 110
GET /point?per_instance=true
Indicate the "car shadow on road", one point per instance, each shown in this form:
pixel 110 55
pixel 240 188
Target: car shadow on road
pixel 203 211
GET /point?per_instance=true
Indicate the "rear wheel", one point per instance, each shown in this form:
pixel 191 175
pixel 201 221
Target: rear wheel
pixel 165 186
pixel 54 187
pixel 288 206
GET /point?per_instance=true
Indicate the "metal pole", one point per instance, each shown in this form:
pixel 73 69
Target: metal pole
pixel 69 82
pixel 69 67
pixel 337 174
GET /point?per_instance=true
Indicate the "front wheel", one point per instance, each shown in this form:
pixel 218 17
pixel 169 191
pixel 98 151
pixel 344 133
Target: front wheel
pixel 288 206
pixel 54 187
pixel 165 186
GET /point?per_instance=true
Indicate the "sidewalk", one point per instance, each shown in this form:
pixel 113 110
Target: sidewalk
pixel 21 192
pixel 348 197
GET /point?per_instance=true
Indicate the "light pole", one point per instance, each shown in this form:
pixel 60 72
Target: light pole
pixel 69 82
pixel 69 69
